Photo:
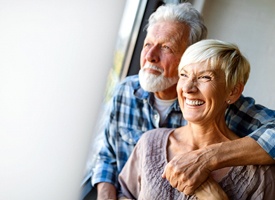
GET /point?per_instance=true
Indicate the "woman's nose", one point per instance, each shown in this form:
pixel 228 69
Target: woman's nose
pixel 189 86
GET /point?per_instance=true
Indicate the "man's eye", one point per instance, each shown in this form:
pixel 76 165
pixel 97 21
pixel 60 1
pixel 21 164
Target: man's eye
pixel 166 48
pixel 146 45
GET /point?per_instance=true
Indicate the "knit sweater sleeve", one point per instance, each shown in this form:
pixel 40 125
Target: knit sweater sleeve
pixel 141 175
pixel 130 176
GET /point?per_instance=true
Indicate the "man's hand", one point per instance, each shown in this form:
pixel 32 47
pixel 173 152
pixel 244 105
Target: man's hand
pixel 188 171
pixel 106 191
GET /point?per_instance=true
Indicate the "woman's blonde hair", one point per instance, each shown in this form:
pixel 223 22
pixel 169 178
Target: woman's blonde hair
pixel 219 55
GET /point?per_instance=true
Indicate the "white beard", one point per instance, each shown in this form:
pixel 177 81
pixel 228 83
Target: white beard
pixel 155 83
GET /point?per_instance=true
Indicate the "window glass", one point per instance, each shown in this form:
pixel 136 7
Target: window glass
pixel 127 34
pixel 127 37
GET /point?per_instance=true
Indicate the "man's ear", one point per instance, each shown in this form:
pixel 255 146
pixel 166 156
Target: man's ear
pixel 235 93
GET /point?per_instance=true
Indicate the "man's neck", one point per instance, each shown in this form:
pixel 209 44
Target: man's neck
pixel 168 94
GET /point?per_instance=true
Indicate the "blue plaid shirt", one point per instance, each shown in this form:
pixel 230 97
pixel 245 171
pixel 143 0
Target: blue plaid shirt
pixel 132 114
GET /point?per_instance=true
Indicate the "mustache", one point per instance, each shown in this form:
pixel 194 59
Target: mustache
pixel 148 66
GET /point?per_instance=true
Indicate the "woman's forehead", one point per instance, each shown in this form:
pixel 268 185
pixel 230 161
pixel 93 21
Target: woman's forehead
pixel 208 64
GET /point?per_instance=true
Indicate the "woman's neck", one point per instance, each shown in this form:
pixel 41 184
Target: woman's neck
pixel 194 136
pixel 197 136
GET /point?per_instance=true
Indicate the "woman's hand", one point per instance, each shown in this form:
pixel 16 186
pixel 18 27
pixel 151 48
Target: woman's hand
pixel 210 190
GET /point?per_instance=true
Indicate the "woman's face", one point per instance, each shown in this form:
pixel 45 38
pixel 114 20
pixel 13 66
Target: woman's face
pixel 202 92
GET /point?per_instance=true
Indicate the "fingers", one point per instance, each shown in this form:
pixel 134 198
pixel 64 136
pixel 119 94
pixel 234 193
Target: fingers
pixel 210 189
pixel 189 190
pixel 164 172
pixel 186 172
pixel 173 168
pixel 179 178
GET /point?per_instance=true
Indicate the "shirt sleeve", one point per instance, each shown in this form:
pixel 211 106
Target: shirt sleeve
pixel 105 169
pixel 246 118
pixel 115 148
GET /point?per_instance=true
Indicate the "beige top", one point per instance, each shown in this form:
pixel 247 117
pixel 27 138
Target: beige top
pixel 141 176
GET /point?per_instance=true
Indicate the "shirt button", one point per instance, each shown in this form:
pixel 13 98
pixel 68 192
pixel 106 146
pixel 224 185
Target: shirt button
pixel 156 117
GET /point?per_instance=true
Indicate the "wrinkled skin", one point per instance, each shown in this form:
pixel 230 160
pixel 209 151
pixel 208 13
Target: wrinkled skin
pixel 210 190
pixel 188 171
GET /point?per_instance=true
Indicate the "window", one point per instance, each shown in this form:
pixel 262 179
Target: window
pixel 126 60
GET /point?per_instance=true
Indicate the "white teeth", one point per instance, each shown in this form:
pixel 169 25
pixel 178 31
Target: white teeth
pixel 194 102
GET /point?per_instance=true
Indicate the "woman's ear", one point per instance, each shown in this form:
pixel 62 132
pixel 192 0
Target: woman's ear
pixel 235 93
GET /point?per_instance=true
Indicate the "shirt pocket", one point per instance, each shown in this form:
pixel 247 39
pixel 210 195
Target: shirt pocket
pixel 129 135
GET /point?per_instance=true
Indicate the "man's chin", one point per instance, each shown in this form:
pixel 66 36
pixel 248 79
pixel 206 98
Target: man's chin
pixel 157 88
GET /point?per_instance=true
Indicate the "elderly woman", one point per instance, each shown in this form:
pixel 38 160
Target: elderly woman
pixel 212 75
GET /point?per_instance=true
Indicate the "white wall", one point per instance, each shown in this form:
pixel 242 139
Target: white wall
pixel 54 60
pixel 251 25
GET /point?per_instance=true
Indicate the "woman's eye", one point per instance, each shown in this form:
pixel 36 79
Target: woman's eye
pixel 183 75
pixel 206 78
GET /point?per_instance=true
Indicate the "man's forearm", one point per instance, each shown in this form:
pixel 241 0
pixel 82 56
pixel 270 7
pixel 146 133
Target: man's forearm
pixel 106 191
pixel 243 151
pixel 188 171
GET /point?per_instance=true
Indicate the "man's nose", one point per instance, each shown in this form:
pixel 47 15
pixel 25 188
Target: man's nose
pixel 152 54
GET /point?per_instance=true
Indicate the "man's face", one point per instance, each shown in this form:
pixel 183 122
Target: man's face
pixel 162 50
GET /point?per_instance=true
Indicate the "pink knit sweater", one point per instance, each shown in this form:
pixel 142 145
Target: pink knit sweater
pixel 141 176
